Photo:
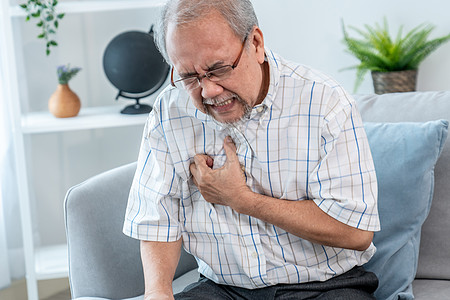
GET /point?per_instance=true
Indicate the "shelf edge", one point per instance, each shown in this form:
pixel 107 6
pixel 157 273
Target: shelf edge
pixel 52 262
pixel 94 6
pixel 88 118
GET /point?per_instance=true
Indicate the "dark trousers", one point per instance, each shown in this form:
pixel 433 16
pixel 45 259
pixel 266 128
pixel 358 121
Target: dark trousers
pixel 354 284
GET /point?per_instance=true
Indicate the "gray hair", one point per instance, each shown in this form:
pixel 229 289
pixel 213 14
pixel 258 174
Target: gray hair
pixel 239 13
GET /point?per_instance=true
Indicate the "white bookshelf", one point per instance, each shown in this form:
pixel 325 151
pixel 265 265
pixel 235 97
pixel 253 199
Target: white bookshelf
pixel 51 262
pixel 88 118
pixel 87 6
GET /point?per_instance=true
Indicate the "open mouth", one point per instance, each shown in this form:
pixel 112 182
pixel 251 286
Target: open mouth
pixel 228 109
pixel 226 102
pixel 219 102
pixel 220 105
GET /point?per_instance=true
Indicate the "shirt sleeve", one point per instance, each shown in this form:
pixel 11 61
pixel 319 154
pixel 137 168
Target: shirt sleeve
pixel 344 183
pixel 152 210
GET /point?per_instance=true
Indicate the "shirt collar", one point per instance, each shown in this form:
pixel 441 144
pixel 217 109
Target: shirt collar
pixel 274 73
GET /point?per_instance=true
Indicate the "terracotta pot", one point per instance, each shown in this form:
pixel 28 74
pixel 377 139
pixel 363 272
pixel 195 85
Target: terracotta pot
pixel 64 103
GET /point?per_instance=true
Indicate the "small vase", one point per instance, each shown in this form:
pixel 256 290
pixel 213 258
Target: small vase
pixel 64 103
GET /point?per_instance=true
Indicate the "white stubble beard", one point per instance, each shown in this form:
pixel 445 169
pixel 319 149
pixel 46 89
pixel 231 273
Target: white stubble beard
pixel 246 115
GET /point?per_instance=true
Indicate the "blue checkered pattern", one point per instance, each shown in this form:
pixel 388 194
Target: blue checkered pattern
pixel 304 141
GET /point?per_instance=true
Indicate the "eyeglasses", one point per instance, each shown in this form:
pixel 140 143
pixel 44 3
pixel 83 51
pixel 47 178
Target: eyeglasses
pixel 192 82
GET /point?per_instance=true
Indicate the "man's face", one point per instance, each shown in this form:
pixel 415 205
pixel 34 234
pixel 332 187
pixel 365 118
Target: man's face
pixel 208 43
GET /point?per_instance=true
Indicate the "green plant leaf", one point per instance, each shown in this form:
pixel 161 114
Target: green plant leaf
pixel 41 36
pixel 60 16
pixel 378 51
pixel 425 50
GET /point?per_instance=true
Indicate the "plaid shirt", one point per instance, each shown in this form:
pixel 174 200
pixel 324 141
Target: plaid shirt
pixel 304 141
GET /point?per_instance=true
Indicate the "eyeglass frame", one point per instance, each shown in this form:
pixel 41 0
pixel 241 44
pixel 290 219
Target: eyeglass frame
pixel 200 77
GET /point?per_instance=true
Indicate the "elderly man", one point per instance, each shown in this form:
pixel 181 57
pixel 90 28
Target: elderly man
pixel 258 166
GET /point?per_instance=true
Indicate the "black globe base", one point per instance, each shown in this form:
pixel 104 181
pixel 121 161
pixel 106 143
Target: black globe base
pixel 136 109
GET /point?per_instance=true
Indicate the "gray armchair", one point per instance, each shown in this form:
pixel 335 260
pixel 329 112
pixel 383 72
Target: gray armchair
pixel 110 269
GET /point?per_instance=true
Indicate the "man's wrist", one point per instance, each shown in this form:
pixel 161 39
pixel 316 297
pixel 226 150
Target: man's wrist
pixel 246 201
pixel 159 294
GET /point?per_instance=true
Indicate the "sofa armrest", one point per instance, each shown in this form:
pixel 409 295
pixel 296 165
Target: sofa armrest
pixel 103 262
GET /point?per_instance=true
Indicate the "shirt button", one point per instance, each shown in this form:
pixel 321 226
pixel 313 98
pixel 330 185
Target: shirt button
pixel 255 255
pixel 260 109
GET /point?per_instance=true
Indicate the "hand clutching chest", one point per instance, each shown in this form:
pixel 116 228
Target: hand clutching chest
pixel 225 185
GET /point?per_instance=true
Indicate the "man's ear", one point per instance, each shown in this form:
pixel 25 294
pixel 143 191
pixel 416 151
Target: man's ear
pixel 258 43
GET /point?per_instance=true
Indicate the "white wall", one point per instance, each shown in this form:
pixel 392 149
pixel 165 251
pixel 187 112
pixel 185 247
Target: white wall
pixel 308 32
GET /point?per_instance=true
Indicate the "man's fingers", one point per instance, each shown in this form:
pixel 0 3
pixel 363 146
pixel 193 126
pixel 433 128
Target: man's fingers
pixel 194 180
pixel 209 161
pixel 201 163
pixel 230 149
pixel 193 169
pixel 203 160
pixel 195 172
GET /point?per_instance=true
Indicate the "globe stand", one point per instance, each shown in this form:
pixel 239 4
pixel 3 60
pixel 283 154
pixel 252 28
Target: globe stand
pixel 136 109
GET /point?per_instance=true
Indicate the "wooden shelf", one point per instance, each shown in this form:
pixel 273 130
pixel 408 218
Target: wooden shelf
pixel 88 118
pixel 74 6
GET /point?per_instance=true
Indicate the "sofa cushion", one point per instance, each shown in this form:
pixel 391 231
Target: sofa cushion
pixel 404 156
pixel 425 289
pixel 434 257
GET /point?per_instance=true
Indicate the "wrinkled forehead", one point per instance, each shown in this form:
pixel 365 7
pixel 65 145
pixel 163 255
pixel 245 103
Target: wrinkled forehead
pixel 201 41
pixel 211 26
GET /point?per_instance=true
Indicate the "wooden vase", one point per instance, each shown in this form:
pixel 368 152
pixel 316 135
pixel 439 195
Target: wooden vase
pixel 64 103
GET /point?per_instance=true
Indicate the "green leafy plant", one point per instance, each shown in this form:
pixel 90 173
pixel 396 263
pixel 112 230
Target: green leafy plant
pixel 378 51
pixel 65 73
pixel 47 19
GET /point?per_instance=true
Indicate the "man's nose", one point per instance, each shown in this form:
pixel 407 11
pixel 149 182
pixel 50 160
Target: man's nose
pixel 210 89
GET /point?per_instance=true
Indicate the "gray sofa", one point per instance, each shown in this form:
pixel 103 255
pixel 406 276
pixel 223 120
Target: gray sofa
pixel 104 263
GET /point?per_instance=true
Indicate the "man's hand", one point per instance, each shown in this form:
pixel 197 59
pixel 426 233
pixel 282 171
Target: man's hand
pixel 220 186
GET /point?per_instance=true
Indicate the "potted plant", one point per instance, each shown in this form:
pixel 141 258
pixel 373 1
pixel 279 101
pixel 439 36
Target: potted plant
pixel 392 62
pixel 64 103
pixel 48 20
